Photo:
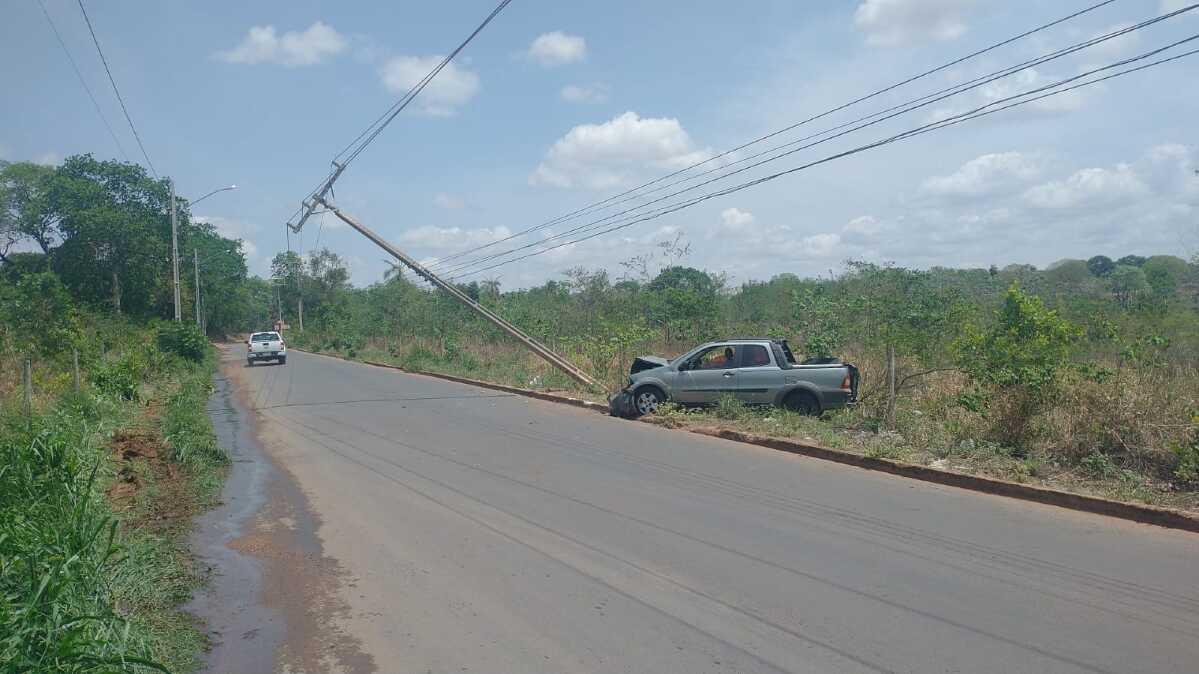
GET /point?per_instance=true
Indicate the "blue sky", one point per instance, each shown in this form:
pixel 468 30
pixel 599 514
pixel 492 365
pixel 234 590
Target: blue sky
pixel 557 105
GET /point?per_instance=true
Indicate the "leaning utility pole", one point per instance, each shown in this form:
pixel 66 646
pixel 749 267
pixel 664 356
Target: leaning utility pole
pixel 533 345
pixel 174 250
pixel 196 261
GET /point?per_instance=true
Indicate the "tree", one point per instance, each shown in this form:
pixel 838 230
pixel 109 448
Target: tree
pixel 683 302
pixel 116 234
pixel 26 206
pixel 1073 274
pixel 38 312
pixel 1127 284
pixel 1017 359
pixel 1164 273
pixel 1132 260
pixel 906 313
pixel 1101 266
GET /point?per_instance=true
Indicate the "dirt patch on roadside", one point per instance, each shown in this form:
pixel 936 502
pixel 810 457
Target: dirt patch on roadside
pixel 147 485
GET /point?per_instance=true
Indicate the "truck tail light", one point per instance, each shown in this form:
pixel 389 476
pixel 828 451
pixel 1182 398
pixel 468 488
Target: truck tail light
pixel 847 382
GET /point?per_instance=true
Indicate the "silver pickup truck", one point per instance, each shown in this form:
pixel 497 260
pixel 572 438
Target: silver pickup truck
pixel 756 371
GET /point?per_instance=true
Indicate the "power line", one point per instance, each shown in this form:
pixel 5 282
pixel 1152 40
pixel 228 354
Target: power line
pixel 82 81
pixel 609 201
pixel 922 102
pixel 919 103
pixel 412 93
pixel 117 91
pixel 993 107
pixel 360 143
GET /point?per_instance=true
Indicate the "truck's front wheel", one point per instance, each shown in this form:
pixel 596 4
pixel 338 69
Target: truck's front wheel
pixel 647 398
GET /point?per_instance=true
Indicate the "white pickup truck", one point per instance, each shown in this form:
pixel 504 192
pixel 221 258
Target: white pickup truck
pixel 266 346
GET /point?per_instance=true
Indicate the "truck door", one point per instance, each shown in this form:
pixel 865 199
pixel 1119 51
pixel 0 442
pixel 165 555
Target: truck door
pixel 757 377
pixel 709 374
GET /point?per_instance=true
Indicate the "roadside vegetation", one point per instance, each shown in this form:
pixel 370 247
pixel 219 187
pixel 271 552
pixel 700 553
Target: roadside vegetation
pixel 107 449
pixel 1081 376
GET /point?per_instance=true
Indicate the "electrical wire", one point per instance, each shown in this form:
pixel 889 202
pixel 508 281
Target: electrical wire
pixel 412 93
pixel 615 216
pixel 879 92
pixel 79 74
pixel 364 139
pixel 990 108
pixel 117 91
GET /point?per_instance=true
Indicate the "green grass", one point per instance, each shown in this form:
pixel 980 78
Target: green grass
pixel 84 588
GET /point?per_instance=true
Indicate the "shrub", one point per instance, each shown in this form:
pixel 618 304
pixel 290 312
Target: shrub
pixel 184 340
pixel 1018 359
pixel 730 408
pixel 121 377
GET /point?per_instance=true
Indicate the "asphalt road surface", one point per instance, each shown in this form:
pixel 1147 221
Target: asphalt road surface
pixel 418 525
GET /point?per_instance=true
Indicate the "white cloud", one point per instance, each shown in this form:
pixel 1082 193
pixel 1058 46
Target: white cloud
pixel 448 201
pixel 1115 45
pixel 233 229
pixel 820 245
pixel 890 23
pixel 445 238
pixel 263 45
pixel 1029 79
pixel 451 89
pixel 585 93
pixel 1090 186
pixel 1014 85
pixel 987 174
pixel 557 48
pixel 607 155
pixel 736 220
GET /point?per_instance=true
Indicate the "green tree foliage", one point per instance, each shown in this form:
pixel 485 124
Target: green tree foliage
pixel 1132 260
pixel 27 211
pixel 1101 266
pixel 1017 359
pixel 1128 284
pixel 682 302
pixel 1164 273
pixel 39 315
pixel 183 339
pixel 103 228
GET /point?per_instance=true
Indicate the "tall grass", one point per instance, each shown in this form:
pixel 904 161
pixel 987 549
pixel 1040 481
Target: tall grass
pixel 84 588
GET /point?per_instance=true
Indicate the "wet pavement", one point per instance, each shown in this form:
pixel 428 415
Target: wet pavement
pixel 244 633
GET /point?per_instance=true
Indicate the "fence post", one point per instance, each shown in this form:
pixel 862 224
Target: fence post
pixel 27 385
pixel 75 368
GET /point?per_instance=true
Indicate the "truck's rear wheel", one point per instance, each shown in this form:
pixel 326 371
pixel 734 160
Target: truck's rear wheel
pixel 802 402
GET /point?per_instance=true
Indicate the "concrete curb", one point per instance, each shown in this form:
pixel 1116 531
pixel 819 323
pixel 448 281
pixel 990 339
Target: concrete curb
pixel 1145 514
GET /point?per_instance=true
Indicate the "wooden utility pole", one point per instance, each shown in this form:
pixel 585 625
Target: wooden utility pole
pixel 75 369
pixel 890 419
pixel 196 262
pixel 175 251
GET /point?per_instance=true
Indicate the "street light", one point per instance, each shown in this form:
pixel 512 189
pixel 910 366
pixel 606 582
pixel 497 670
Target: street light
pixel 175 242
pixel 222 189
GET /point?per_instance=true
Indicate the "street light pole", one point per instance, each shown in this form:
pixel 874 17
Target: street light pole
pixel 196 261
pixel 174 250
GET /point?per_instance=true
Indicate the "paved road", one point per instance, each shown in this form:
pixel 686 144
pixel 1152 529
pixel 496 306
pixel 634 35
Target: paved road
pixel 472 531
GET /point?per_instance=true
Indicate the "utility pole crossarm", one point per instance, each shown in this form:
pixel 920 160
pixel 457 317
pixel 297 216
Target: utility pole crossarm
pixel 536 347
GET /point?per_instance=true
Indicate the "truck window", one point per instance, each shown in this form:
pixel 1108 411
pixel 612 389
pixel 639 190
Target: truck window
pixel 754 355
pixel 716 358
